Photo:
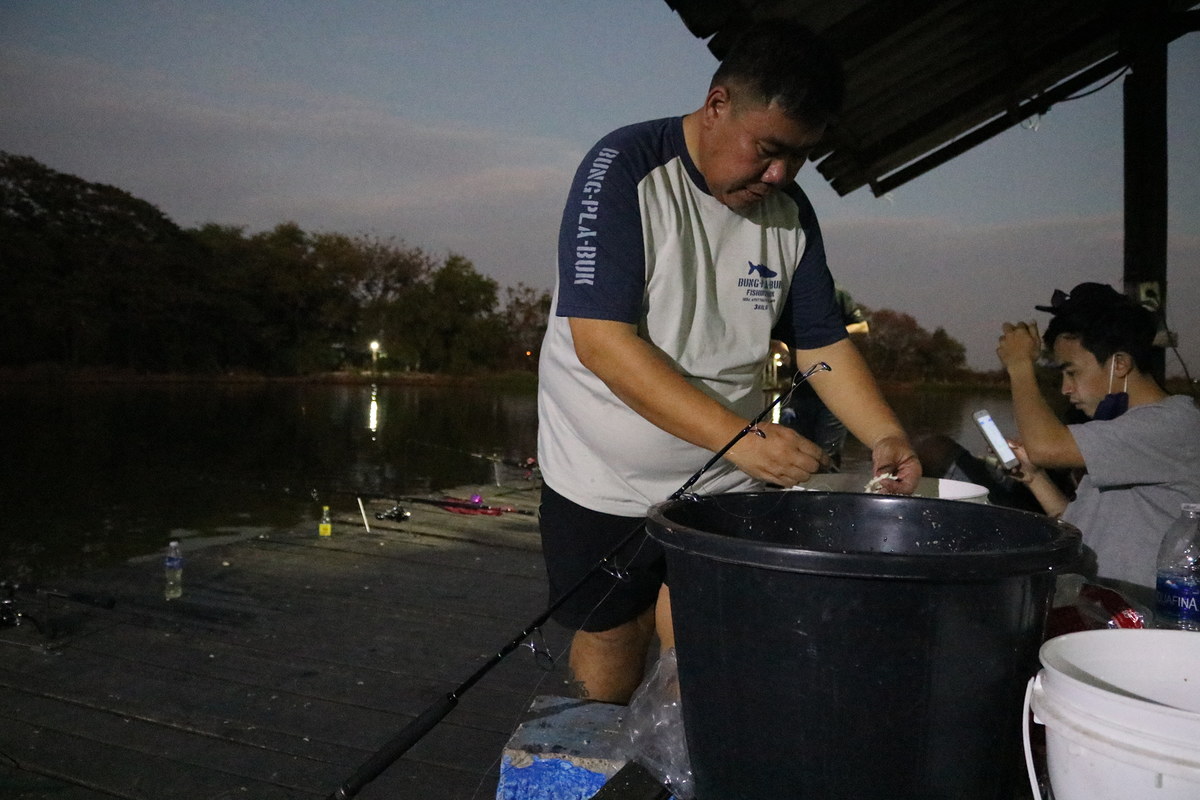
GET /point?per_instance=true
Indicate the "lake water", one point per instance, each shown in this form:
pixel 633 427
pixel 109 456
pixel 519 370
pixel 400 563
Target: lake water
pixel 98 473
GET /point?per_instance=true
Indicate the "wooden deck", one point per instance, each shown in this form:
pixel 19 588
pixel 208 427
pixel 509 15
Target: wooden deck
pixel 288 661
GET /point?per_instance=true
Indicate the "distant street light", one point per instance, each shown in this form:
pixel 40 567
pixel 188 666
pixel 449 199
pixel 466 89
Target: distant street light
pixel 374 354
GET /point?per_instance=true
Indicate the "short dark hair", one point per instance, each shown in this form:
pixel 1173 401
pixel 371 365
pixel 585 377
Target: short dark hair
pixel 783 62
pixel 1105 322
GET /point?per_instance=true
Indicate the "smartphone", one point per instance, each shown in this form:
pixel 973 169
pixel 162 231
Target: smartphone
pixel 995 439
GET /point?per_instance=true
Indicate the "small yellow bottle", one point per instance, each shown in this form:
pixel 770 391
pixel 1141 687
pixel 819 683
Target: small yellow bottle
pixel 326 526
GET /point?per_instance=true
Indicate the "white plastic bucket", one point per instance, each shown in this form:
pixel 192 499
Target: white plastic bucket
pixel 1121 710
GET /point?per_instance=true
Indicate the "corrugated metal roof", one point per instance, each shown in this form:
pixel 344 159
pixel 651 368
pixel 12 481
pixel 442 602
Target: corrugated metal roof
pixel 928 79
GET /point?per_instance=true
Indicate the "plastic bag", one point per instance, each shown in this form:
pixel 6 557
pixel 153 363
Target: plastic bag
pixel 1080 605
pixel 653 728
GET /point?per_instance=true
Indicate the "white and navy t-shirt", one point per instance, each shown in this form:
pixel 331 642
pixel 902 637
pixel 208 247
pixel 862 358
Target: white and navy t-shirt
pixel 643 241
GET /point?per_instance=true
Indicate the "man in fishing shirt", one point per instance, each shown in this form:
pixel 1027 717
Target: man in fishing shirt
pixel 1140 447
pixel 685 247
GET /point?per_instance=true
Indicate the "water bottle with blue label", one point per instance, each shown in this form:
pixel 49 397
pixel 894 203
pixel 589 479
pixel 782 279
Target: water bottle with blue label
pixel 1178 590
pixel 173 566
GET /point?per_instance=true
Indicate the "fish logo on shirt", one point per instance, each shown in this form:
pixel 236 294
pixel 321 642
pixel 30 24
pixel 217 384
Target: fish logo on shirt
pixel 762 270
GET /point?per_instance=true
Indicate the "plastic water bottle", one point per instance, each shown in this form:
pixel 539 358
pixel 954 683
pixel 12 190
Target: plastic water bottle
pixel 325 528
pixel 173 565
pixel 1178 589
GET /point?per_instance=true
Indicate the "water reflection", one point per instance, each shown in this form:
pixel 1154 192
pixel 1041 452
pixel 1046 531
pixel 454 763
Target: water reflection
pixel 98 473
pixel 373 411
pixel 932 412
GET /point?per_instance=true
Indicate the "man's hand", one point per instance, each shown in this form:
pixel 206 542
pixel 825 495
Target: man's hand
pixel 1045 440
pixel 1019 343
pixel 1048 495
pixel 779 456
pixel 850 392
pixel 893 455
pixel 1026 470
pixel 642 378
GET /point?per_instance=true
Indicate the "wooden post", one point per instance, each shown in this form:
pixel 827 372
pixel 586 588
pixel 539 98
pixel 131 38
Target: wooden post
pixel 1146 163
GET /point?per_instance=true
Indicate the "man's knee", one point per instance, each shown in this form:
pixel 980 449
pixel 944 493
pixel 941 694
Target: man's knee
pixel 635 632
pixel 608 665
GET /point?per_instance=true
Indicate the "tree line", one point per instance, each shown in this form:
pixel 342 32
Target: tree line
pixel 899 349
pixel 96 278
pixel 93 277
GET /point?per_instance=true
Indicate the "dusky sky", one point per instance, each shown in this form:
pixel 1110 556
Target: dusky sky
pixel 457 127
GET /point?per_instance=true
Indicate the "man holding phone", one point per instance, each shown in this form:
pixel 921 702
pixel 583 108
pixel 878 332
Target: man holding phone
pixel 1140 447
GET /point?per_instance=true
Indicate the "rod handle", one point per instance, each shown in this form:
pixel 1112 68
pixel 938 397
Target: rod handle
pixel 398 746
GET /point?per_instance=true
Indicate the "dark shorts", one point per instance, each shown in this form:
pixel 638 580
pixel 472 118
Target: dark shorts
pixel 574 542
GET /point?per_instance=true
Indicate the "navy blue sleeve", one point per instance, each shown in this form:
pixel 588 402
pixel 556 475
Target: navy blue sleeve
pixel 811 315
pixel 601 255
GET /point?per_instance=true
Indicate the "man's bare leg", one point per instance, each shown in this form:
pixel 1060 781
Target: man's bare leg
pixel 608 665
pixel 662 620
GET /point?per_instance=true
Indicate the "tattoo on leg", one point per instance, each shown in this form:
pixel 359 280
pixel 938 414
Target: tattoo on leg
pixel 576 688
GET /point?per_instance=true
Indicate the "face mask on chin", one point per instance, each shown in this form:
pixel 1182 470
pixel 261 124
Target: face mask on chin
pixel 1114 404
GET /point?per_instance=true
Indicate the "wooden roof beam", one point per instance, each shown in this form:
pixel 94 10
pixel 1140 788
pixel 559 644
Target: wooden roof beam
pixel 1036 105
pixel 1179 23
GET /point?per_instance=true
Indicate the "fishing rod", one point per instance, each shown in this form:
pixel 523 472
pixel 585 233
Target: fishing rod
pixel 800 378
pixel 529 463
pixel 466 505
pixel 474 504
pixel 13 616
pixel 414 731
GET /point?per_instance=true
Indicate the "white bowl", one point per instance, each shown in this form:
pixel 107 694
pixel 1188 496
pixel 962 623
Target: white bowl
pixel 926 487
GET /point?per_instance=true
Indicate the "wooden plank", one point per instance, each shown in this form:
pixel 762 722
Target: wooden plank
pixel 633 782
pixel 134 762
pixel 19 784
pixel 399 617
pixel 362 684
pixel 286 664
pixel 194 748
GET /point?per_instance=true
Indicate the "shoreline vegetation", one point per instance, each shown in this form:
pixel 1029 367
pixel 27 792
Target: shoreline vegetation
pixel 102 287
pixel 54 374
pixel 99 283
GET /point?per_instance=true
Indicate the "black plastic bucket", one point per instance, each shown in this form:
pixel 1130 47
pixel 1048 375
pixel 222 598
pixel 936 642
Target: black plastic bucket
pixel 858 646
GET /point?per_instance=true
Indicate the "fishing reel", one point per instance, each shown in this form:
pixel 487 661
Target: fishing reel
pixel 11 615
pixel 396 513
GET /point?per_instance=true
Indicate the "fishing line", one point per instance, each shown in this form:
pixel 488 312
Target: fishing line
pixel 609 565
pixel 544 653
pixel 800 378
pixel 547 669
pixel 431 716
pixel 737 515
pixel 435 713
pixel 1191 384
pixel 529 463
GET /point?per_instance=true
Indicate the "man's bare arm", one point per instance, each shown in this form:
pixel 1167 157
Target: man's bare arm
pixel 637 373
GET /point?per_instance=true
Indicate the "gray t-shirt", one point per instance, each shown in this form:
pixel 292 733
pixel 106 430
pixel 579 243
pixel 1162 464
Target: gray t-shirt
pixel 1141 467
